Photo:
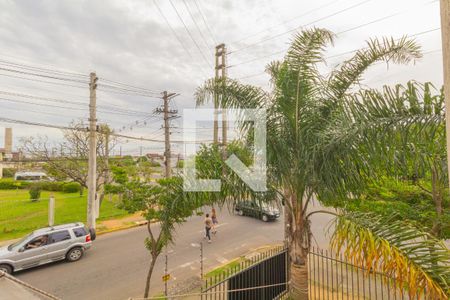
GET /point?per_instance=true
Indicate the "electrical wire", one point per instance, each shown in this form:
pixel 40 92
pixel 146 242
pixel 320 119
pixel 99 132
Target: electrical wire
pixel 206 22
pixel 298 27
pixel 195 23
pixel 42 75
pixel 190 34
pixel 285 22
pixel 328 57
pixel 39 69
pixel 43 81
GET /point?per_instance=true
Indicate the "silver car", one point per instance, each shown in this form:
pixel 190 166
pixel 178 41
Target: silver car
pixel 47 245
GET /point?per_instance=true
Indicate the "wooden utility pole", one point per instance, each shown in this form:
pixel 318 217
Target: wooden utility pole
pixel 445 33
pixel 92 173
pixel 168 114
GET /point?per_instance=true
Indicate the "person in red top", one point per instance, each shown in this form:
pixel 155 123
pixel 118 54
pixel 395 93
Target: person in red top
pixel 214 220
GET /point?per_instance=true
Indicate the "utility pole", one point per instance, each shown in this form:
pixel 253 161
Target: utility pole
pixel 221 53
pixel 445 33
pixel 92 173
pixel 168 114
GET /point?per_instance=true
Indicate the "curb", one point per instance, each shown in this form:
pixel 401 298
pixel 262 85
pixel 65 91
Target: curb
pixel 137 224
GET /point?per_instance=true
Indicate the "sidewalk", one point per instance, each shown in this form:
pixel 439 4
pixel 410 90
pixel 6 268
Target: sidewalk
pixel 107 226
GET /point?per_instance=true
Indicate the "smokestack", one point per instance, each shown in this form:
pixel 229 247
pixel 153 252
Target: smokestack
pixel 8 142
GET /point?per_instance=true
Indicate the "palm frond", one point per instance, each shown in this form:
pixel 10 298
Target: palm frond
pixel 400 51
pixel 416 260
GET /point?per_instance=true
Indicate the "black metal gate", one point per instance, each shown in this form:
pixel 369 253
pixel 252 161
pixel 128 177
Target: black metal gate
pixel 262 277
pixel 270 275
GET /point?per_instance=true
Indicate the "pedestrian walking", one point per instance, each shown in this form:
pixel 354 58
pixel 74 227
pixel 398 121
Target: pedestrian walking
pixel 208 226
pixel 214 220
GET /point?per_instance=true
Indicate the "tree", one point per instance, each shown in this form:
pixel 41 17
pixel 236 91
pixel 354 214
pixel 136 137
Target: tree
pixel 162 202
pixel 413 126
pixel 308 153
pixel 69 159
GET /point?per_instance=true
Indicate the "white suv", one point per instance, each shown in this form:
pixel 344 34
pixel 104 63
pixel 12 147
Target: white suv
pixel 47 245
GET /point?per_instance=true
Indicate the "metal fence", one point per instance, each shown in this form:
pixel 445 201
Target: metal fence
pixel 331 277
pixel 261 277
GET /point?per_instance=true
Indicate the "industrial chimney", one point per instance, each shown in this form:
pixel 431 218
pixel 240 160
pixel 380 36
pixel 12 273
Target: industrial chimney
pixel 8 142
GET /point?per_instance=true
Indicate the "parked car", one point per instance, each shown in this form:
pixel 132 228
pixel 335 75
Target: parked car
pixel 257 210
pixel 47 245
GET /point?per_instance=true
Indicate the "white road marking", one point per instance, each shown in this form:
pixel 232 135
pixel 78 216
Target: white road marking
pixel 221 259
pixel 217 226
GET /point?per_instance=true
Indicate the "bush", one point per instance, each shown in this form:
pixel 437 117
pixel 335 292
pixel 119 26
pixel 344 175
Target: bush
pixel 9 184
pixel 35 192
pixel 180 164
pixel 9 172
pixel 71 187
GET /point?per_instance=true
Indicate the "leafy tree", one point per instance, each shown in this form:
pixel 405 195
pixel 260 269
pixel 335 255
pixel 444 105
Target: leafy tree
pixel 161 202
pixel 314 142
pixel 69 159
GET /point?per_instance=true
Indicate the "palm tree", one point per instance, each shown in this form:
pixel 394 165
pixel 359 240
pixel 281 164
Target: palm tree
pixel 307 154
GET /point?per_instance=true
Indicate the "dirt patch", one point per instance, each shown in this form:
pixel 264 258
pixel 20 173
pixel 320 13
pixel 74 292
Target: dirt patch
pixel 121 223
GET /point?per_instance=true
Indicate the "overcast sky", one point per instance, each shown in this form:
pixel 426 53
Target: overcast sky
pixel 131 42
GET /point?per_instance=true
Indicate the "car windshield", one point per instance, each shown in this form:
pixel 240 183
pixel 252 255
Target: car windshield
pixel 16 244
pixel 268 206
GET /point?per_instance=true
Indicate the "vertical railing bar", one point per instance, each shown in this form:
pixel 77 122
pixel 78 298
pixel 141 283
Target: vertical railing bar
pixel 370 289
pixel 332 273
pixel 376 292
pixel 323 281
pixel 323 275
pixel 342 276
pixel 353 286
pixel 328 285
pixel 317 290
pixel 357 281
pixel 313 290
pixel 364 283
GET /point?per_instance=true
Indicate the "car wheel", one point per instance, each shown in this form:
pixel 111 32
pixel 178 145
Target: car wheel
pixel 240 212
pixel 74 254
pixel 265 218
pixel 6 268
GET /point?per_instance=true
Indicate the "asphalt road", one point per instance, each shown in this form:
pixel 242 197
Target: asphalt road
pixel 116 266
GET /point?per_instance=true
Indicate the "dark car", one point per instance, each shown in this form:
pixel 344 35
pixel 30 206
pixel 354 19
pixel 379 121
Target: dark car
pixel 257 210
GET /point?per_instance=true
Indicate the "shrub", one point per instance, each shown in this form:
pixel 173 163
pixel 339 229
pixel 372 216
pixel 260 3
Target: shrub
pixel 9 172
pixel 71 187
pixel 180 164
pixel 35 192
pixel 9 184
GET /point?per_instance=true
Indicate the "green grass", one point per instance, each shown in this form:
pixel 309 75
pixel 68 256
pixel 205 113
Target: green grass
pixel 19 215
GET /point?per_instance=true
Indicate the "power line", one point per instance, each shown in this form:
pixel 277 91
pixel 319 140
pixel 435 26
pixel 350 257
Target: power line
pixel 409 36
pixel 287 21
pixel 42 81
pixel 42 75
pixel 195 23
pixel 339 33
pixel 296 28
pixel 107 109
pixel 328 57
pixel 39 69
pixel 190 34
pixel 39 124
pixel 40 112
pixel 206 22
pixel 124 85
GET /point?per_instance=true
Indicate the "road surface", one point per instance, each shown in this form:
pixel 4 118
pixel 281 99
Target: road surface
pixel 116 266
